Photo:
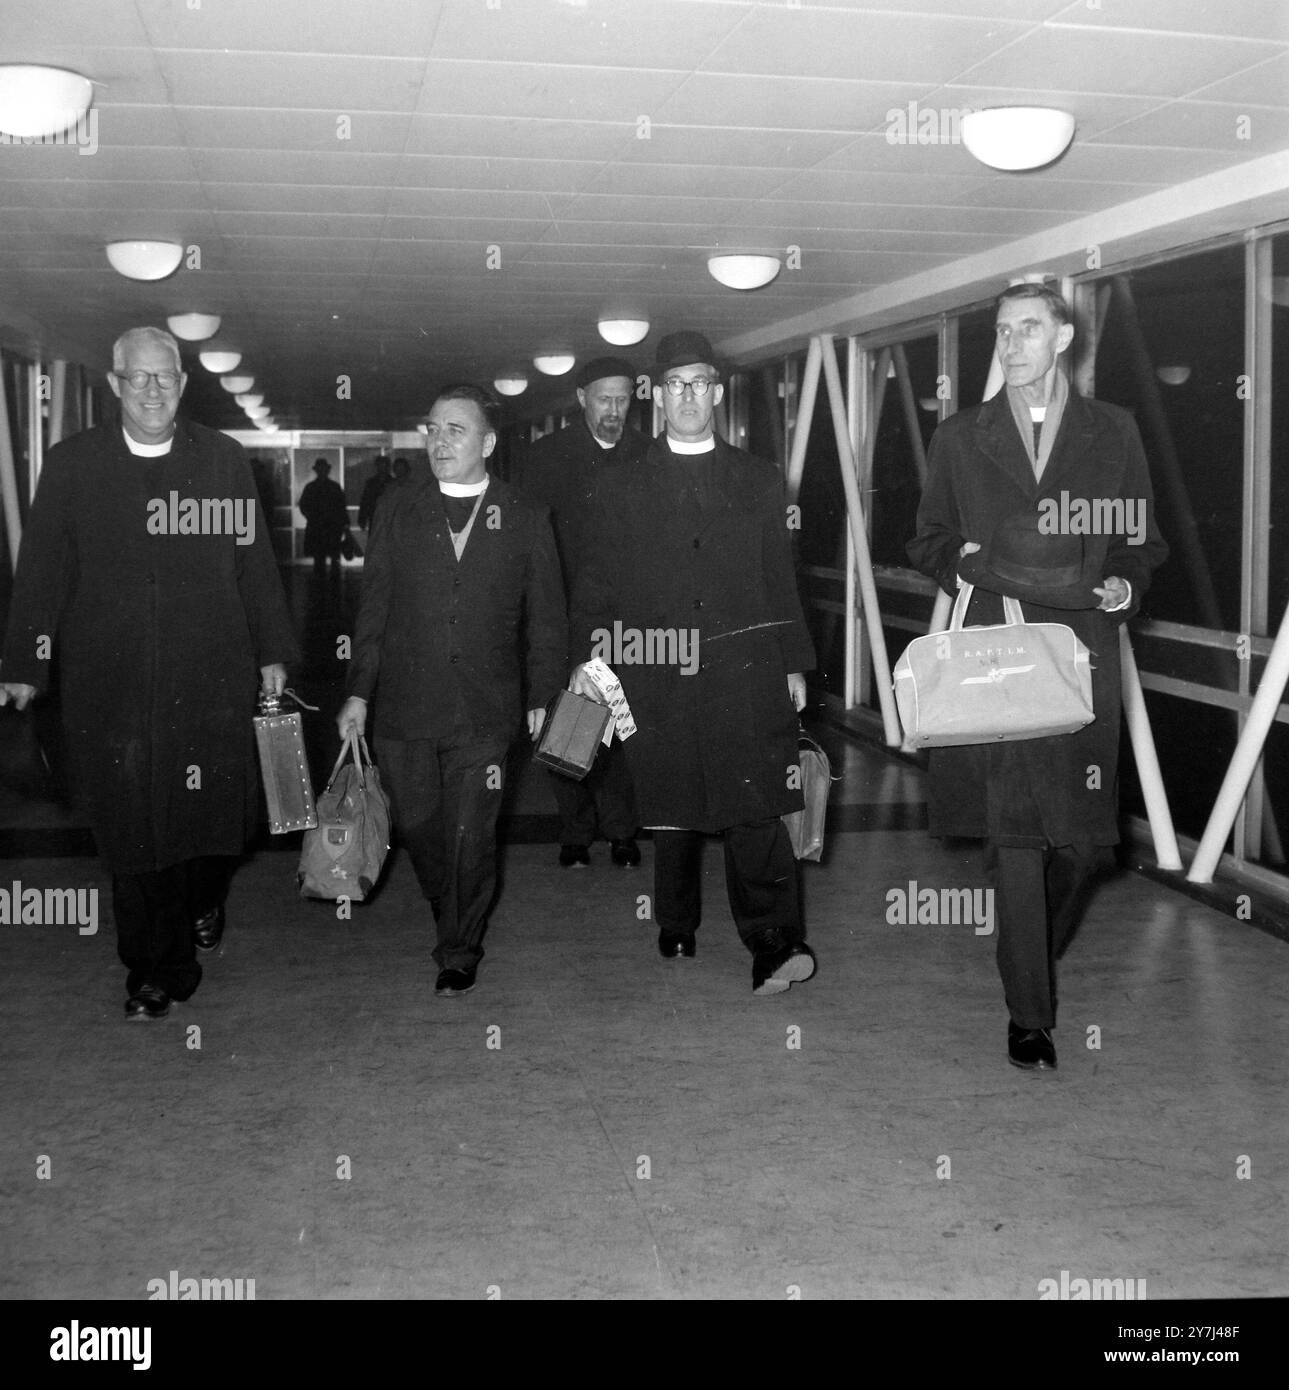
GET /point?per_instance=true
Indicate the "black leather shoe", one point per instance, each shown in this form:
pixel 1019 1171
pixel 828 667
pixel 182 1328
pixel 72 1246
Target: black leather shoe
pixel 573 857
pixel 208 931
pixel 148 1002
pixel 775 971
pixel 1030 1048
pixel 453 982
pixel 676 947
pixel 625 853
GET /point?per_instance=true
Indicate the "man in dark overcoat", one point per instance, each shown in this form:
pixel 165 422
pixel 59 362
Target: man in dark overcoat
pixel 322 504
pixel 147 562
pixel 690 545
pixel 461 597
pixel 1048 808
pixel 560 470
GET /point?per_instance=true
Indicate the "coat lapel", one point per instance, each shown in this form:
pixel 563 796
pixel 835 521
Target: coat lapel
pixel 997 438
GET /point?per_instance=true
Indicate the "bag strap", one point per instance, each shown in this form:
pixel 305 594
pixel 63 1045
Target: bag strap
pixel 1012 611
pixel 351 745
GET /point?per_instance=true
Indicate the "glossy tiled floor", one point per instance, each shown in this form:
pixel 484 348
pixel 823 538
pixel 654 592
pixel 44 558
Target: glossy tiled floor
pixel 593 1122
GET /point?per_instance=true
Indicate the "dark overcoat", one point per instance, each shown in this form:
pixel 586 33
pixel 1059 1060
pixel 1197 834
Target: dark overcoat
pixel 160 639
pixel 715 748
pixel 1057 790
pixel 559 471
pixel 441 644
pixel 322 504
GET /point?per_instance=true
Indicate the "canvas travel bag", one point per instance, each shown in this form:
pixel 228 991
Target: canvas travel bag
pixel 342 858
pixel 806 827
pixel 1017 680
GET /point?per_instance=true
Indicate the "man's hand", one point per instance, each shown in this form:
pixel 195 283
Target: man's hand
pixel 352 718
pixel 1114 592
pixel 536 718
pixel 581 684
pixel 968 548
pixel 20 694
pixel 273 678
pixel 797 691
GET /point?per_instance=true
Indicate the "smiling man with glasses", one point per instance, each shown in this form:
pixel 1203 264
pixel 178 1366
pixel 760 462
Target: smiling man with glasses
pixel 161 634
pixel 693 542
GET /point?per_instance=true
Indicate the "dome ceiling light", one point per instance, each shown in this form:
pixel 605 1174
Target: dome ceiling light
pixel 37 101
pixel 623 332
pixel 554 363
pixel 193 328
pixel 744 272
pixel 145 260
pixel 219 362
pixel 1017 137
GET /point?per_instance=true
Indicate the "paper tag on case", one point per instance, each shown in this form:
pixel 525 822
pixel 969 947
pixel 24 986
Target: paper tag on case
pixel 610 687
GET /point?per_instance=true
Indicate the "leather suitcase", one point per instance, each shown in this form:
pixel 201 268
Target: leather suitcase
pixel 572 734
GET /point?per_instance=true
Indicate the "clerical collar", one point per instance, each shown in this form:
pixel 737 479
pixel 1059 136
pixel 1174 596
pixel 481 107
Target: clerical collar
pixel 603 443
pixel 1037 412
pixel 683 446
pixel 464 489
pixel 146 451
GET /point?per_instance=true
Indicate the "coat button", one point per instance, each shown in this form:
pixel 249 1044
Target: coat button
pixel 698 603
pixel 453 618
pixel 697 543
pixel 454 658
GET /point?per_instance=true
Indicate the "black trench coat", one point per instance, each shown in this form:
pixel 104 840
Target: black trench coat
pixel 1035 791
pixel 160 639
pixel 713 749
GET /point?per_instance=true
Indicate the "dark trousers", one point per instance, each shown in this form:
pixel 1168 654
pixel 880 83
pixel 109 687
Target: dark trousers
pixel 603 800
pixel 445 795
pixel 154 915
pixel 1039 896
pixel 760 881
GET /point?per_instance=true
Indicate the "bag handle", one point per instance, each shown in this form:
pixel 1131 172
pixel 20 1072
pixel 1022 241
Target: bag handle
pixel 352 744
pixel 1012 611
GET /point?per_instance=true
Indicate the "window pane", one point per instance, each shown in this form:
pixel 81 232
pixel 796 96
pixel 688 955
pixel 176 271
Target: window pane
pixel 1171 351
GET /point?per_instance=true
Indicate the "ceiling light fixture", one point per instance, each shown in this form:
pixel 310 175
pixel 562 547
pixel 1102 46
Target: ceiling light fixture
pixel 235 385
pixel 554 363
pixel 219 362
pixel 623 332
pixel 193 328
pixel 247 398
pixel 511 385
pixel 145 260
pixel 1175 375
pixel 744 272
pixel 258 412
pixel 36 101
pixel 1017 137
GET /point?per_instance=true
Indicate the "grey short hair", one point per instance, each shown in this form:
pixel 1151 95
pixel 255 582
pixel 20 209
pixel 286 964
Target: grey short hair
pixel 147 334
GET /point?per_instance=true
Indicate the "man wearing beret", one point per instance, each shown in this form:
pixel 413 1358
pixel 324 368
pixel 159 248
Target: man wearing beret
pixel 560 471
pixel 691 545
pixel 997 477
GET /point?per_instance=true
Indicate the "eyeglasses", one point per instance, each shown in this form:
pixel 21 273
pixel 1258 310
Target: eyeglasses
pixel 166 381
pixel 700 385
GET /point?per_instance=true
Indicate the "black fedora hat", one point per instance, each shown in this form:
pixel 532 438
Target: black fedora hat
pixel 684 349
pixel 1022 561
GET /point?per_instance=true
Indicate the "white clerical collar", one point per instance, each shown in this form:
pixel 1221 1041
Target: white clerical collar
pixel 685 446
pixel 603 443
pixel 146 451
pixel 1038 412
pixel 464 489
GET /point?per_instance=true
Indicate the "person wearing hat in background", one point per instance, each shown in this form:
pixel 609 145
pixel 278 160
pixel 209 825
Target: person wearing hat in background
pixel 692 541
pixel 560 470
pixel 322 503
pixel 1003 480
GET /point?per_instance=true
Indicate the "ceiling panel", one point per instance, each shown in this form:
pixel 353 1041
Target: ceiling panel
pixel 606 148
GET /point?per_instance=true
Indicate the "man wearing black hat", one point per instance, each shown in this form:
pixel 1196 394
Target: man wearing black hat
pixel 560 471
pixel 691 546
pixel 1042 496
pixel 322 503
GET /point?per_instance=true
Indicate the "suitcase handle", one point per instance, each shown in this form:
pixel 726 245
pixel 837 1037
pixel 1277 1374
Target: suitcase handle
pixel 352 743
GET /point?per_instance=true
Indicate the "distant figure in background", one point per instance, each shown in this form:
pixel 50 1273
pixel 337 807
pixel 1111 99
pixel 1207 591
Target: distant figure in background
pixel 326 519
pixel 560 470
pixel 372 491
pixel 161 632
pixel 401 469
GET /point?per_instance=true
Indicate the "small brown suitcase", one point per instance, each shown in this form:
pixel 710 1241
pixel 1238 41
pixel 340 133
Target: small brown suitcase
pixel 572 734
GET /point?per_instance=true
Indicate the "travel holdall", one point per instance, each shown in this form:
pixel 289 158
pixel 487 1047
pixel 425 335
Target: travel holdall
pixel 1013 681
pixel 342 858
pixel 806 827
